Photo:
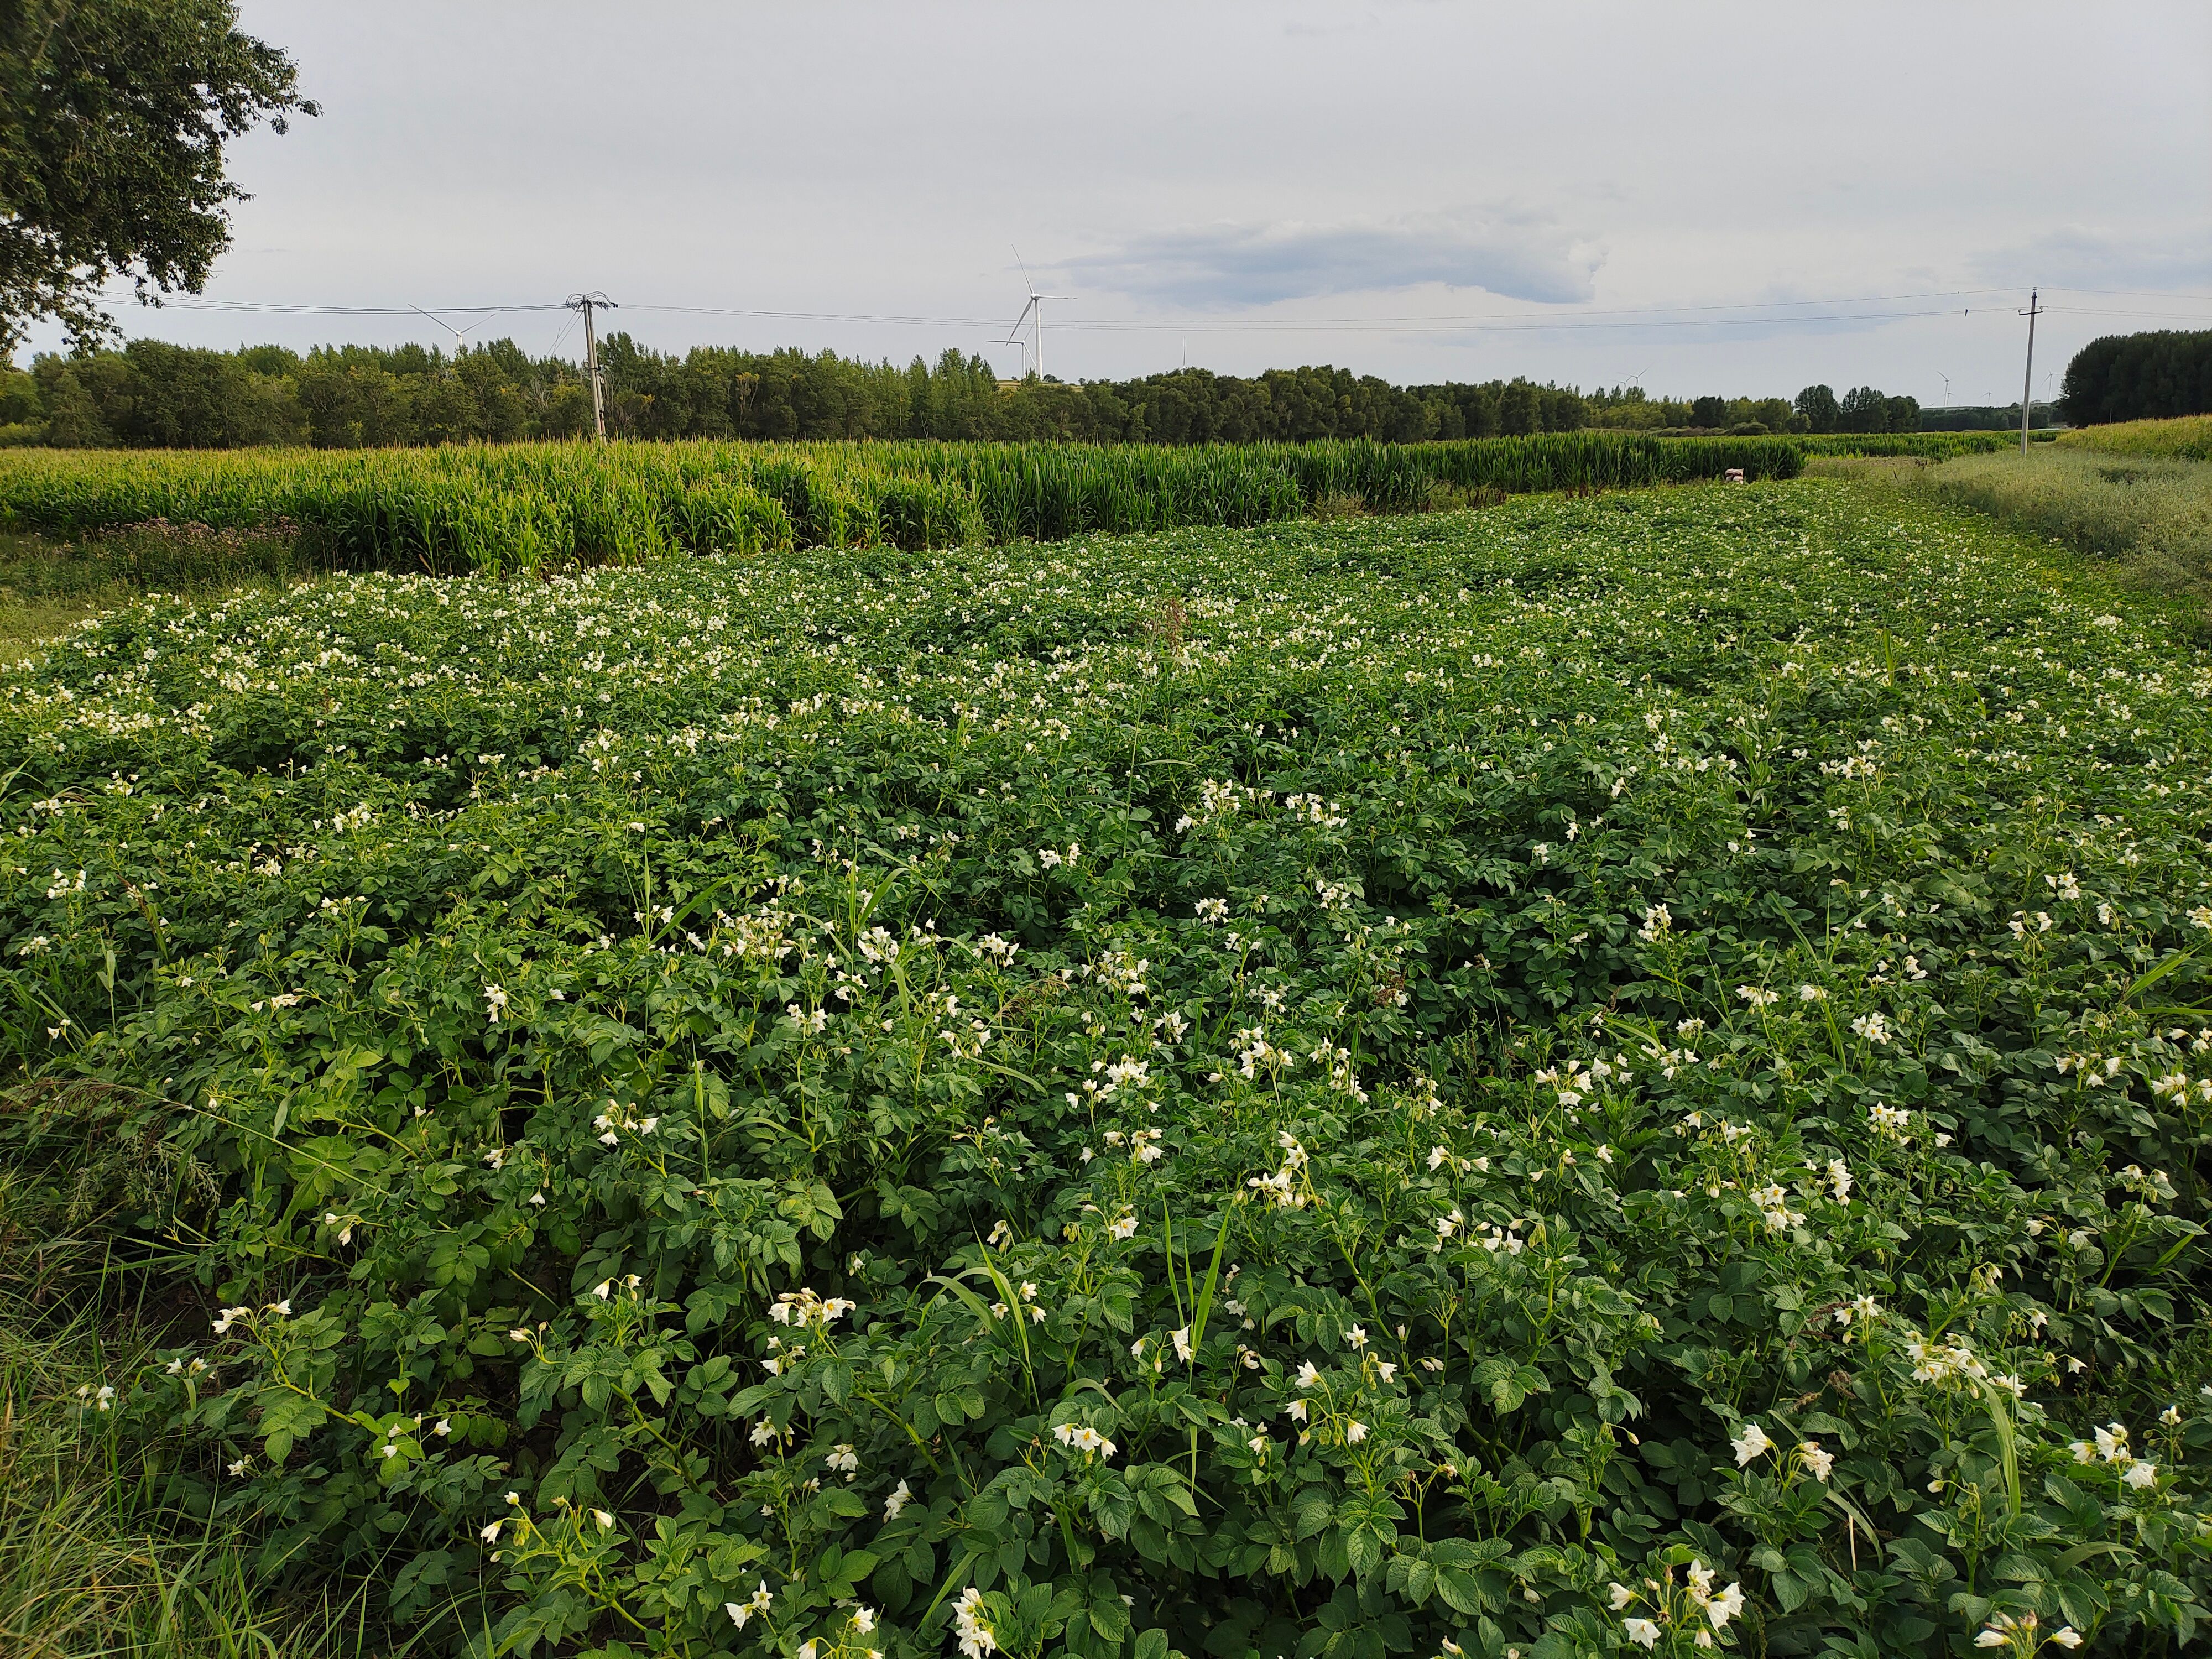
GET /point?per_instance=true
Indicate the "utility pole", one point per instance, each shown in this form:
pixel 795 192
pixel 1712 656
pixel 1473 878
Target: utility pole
pixel 2027 380
pixel 585 303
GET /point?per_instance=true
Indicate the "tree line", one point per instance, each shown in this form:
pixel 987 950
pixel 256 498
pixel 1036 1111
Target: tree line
pixel 1863 409
pixel 153 394
pixel 2138 377
pixel 1986 417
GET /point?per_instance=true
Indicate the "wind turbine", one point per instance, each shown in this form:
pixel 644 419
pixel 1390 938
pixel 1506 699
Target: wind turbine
pixel 1946 379
pixel 458 334
pixel 1037 304
pixel 1017 340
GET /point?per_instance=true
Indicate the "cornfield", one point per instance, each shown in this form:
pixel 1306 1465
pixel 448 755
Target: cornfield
pixel 1928 446
pixel 533 506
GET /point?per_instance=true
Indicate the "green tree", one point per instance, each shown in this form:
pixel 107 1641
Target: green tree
pixel 348 395
pixel 1864 409
pixel 73 419
pixel 186 397
pixel 268 359
pixel 19 398
pixel 357 406
pixel 444 411
pixel 2132 377
pixel 1565 409
pixel 499 394
pixel 113 114
pixel 567 411
pixel 1517 407
pixel 1817 405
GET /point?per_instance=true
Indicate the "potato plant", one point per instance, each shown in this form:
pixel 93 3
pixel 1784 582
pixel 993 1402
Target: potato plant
pixel 1611 1075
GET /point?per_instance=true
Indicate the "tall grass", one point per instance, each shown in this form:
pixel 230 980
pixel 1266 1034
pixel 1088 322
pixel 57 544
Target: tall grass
pixel 531 507
pixel 47 585
pixel 2185 438
pixel 94 1561
pixel 155 557
pixel 2151 519
pixel 108 1548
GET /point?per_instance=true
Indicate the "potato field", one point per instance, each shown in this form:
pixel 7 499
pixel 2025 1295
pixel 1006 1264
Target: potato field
pixel 1620 1073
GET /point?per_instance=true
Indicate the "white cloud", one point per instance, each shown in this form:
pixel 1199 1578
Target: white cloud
pixel 1517 254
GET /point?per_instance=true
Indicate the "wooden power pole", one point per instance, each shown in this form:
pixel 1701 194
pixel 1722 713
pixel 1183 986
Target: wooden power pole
pixel 586 303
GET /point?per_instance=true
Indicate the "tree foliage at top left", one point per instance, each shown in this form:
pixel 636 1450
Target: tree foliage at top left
pixel 113 115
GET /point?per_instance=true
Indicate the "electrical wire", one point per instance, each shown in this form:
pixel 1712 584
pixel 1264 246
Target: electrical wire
pixel 1412 320
pixel 1743 313
pixel 1503 325
pixel 2132 292
pixel 1270 326
pixel 1655 317
pixel 818 316
pixel 2085 311
pixel 567 329
pixel 192 303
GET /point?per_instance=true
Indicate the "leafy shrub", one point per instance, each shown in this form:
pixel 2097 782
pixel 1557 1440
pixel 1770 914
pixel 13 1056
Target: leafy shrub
pixel 1603 1075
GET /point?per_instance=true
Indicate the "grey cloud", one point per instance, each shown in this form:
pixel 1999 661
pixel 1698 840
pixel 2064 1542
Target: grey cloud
pixel 1316 30
pixel 2093 259
pixel 1519 256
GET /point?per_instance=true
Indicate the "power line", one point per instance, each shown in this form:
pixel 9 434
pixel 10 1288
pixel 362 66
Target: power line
pixel 2135 293
pixel 2085 311
pixel 1271 325
pixel 194 303
pixel 1744 313
pixel 554 350
pixel 1660 311
pixel 1657 316
pixel 824 316
pixel 1505 323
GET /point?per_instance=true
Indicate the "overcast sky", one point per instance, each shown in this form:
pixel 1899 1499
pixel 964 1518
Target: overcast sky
pixel 1726 198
